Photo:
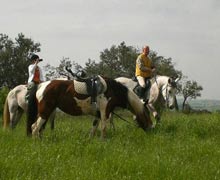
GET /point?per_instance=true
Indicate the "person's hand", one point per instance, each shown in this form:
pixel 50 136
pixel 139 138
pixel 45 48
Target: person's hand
pixel 153 70
pixel 37 61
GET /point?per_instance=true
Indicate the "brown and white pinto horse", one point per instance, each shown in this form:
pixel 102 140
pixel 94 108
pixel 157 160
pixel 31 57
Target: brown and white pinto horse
pixel 73 98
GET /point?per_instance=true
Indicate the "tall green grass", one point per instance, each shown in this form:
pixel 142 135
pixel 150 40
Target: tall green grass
pixel 181 147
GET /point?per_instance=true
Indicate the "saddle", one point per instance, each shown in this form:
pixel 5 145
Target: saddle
pixel 143 93
pixel 91 86
pixel 88 86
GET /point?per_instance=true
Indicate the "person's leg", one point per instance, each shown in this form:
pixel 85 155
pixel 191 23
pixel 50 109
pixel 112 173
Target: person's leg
pixel 147 89
pixel 29 87
pixel 141 88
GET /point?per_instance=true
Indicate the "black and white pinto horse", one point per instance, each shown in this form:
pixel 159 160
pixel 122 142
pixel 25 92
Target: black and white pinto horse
pixel 78 98
pixel 162 93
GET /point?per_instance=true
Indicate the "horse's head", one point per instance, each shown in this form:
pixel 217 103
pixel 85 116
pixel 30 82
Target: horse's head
pixel 142 114
pixel 169 92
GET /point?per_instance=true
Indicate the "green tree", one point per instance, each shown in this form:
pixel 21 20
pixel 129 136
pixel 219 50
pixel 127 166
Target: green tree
pixel 164 66
pixel 93 68
pixel 116 61
pixel 13 59
pixel 121 60
pixel 190 89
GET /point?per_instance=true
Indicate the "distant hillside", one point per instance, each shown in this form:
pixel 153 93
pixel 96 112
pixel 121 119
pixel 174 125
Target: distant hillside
pixel 211 105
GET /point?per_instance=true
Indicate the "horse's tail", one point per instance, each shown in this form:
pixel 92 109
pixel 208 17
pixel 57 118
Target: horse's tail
pixel 6 114
pixel 32 109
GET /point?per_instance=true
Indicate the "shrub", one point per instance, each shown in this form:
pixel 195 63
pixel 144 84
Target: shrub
pixel 3 94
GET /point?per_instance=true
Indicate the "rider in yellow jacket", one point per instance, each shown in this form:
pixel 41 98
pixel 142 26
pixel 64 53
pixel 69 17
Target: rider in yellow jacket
pixel 143 73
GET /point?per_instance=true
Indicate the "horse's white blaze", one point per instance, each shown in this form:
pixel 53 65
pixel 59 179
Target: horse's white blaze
pixel 41 88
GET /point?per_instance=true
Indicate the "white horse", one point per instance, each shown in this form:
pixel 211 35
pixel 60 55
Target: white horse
pixel 15 105
pixel 162 93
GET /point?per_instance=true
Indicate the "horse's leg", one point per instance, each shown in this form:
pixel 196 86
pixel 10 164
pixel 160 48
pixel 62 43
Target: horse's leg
pixel 52 119
pixel 95 125
pixel 103 127
pixel 153 111
pixel 112 125
pixel 158 118
pixel 36 127
pixel 16 118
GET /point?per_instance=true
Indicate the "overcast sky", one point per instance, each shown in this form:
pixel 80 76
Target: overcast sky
pixel 188 31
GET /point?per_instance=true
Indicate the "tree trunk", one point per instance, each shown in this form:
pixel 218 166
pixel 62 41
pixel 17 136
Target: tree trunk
pixel 176 105
pixel 184 102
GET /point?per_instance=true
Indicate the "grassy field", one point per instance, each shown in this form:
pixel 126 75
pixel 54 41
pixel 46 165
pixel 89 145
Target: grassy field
pixel 182 147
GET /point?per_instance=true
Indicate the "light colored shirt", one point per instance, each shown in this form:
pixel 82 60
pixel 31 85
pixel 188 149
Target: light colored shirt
pixel 31 71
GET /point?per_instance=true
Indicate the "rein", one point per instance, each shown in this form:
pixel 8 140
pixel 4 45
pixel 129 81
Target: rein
pixel 124 119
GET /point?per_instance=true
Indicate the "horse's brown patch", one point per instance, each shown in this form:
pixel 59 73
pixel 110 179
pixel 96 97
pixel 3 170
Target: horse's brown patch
pixel 60 94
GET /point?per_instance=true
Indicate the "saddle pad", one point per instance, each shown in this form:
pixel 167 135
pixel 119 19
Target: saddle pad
pixel 80 87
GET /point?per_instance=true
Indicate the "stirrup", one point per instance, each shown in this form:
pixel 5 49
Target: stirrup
pixel 146 102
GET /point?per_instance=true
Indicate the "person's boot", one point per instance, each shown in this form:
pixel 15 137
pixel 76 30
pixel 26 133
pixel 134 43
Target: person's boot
pixel 147 96
pixel 140 92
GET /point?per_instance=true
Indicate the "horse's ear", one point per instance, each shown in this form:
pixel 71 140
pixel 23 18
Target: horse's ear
pixel 170 80
pixel 177 79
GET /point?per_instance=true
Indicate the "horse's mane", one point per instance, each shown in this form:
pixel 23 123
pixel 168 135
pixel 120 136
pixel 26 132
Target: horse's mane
pixel 116 90
pixel 155 78
pixel 115 87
